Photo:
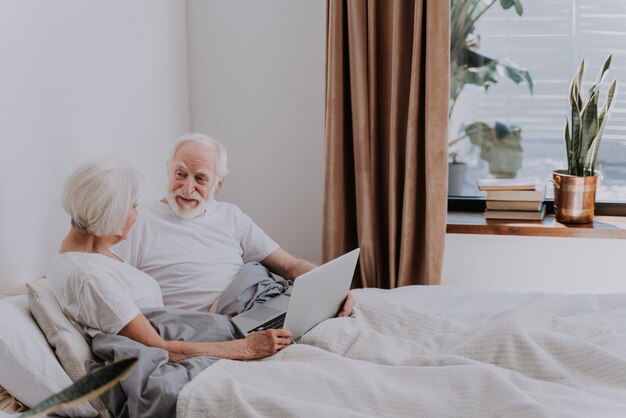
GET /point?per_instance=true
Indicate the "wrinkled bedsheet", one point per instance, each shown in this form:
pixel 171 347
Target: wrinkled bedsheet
pixel 430 351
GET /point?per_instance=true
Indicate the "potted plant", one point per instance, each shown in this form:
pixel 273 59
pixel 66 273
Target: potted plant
pixel 456 175
pixel 499 144
pixel 575 188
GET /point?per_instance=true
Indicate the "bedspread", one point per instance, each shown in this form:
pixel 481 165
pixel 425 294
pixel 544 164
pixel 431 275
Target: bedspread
pixel 436 351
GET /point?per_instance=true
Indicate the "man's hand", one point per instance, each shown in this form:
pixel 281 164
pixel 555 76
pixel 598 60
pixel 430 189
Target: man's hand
pixel 265 343
pixel 348 303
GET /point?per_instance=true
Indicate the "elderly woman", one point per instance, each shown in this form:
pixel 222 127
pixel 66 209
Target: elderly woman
pixel 105 295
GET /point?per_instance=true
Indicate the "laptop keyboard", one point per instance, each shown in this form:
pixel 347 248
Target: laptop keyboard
pixel 274 323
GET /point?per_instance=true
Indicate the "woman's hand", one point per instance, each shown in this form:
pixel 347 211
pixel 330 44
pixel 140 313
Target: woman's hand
pixel 257 345
pixel 265 343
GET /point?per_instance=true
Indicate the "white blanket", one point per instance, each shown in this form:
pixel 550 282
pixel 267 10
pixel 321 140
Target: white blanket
pixel 430 351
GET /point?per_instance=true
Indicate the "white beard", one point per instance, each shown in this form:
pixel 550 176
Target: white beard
pixel 188 212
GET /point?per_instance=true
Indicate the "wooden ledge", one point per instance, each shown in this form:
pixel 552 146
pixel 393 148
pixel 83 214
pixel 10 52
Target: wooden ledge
pixel 611 227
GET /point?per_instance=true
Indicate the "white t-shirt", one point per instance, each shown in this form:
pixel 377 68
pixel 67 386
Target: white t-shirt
pixel 100 293
pixel 194 260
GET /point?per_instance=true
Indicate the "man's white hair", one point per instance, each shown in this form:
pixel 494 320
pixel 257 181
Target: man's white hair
pixel 100 194
pixel 208 143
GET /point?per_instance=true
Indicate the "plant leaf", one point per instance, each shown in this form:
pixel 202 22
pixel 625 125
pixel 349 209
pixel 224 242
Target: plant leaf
pixel 484 71
pixel 479 7
pixel 592 154
pixel 502 149
pixel 589 127
pixel 458 20
pixel 576 103
pixel 474 59
pixel 605 67
pixel 578 80
pixel 610 97
pixel 588 121
pixel 481 76
pixel 575 147
pixel 507 4
pixel 84 389
pixel 502 130
pixel 517 74
pixel 477 132
pixel 579 73
pixel 568 141
pixel 499 146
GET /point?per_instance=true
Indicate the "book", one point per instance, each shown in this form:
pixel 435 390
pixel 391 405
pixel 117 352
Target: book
pixel 524 215
pixel 526 195
pixel 505 184
pixel 514 204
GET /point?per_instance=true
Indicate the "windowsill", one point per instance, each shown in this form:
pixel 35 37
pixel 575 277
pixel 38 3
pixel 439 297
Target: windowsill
pixel 607 227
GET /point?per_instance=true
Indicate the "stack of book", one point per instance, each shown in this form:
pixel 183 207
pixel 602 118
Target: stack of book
pixel 513 199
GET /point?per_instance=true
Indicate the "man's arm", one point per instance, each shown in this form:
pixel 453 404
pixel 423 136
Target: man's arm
pixel 256 345
pixel 290 267
pixel 286 265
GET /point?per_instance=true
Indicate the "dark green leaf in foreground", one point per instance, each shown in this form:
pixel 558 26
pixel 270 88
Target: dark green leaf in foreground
pixel 84 389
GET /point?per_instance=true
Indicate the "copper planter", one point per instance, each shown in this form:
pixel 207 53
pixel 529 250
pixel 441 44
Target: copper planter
pixel 574 197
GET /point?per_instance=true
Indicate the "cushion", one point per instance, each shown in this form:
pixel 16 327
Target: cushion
pixel 29 369
pixel 9 404
pixel 69 344
pixel 21 290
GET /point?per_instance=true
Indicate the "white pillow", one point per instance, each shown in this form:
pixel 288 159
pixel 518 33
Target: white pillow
pixel 69 344
pixel 29 369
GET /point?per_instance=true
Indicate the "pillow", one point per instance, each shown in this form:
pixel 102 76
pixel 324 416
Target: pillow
pixel 22 290
pixel 9 404
pixel 69 344
pixel 28 368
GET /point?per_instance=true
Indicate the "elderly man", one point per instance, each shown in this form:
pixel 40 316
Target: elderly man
pixel 195 246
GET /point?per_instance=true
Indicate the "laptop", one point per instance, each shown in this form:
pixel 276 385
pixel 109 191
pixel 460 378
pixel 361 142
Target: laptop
pixel 314 297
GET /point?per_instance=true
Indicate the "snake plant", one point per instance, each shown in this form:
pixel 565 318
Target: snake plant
pixel 583 135
pixel 84 389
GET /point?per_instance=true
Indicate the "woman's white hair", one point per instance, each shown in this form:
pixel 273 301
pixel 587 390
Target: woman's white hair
pixel 100 194
pixel 208 143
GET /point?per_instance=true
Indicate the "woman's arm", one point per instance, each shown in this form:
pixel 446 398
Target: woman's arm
pixel 257 345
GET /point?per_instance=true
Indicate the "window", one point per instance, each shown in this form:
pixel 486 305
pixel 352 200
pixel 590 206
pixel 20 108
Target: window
pixel 549 40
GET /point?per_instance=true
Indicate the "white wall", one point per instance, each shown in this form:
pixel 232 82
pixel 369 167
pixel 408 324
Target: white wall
pixel 548 264
pixel 257 84
pixel 78 79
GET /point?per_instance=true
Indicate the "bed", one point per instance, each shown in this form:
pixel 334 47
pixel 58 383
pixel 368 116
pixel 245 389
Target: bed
pixel 435 351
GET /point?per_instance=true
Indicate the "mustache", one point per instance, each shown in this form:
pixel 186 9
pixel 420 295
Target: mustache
pixel 191 196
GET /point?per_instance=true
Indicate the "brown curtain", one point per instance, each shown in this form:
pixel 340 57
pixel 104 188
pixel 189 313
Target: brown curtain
pixel 386 138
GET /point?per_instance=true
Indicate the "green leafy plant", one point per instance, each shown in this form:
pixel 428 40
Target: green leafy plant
pixel 499 146
pixel 583 135
pixel 467 66
pixel 84 389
